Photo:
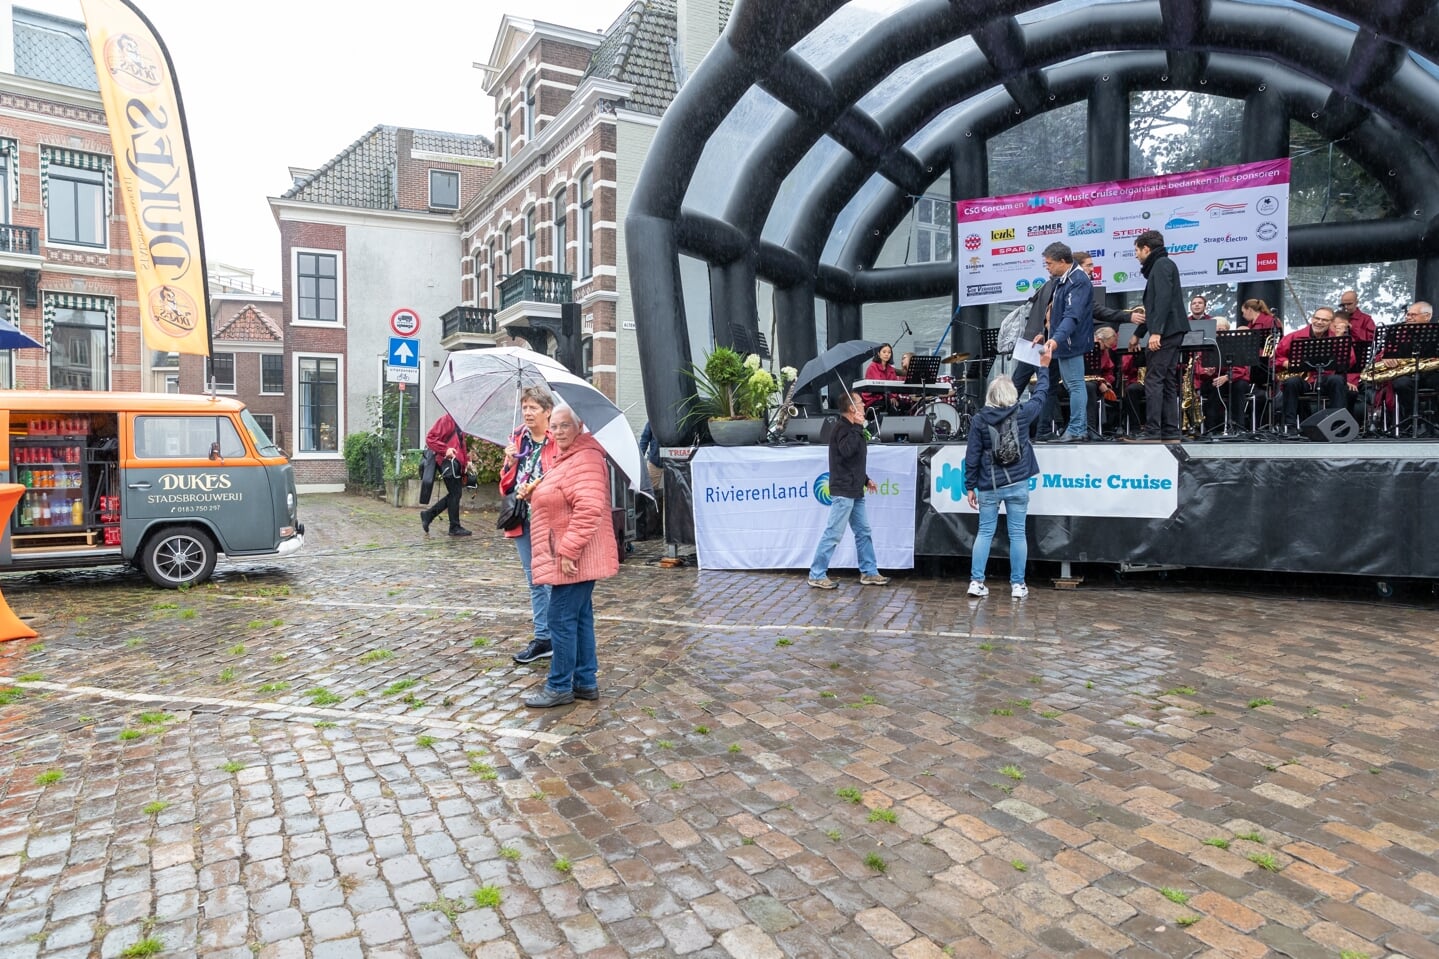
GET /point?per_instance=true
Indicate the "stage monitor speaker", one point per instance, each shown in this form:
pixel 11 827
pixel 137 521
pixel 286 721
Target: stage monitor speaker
pixel 906 429
pixel 810 429
pixel 1330 426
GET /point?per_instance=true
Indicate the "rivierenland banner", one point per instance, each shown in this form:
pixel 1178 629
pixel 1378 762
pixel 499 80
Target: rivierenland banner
pixel 154 175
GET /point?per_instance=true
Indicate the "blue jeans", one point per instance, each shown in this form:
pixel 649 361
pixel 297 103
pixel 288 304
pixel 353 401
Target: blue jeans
pixel 842 511
pixel 1015 497
pixel 1071 368
pixel 539 595
pixel 572 637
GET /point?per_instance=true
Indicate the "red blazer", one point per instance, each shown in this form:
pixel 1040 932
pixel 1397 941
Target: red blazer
pixel 570 517
pixel 878 371
pixel 445 435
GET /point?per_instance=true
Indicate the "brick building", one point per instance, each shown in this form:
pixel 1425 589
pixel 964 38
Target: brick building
pixel 66 270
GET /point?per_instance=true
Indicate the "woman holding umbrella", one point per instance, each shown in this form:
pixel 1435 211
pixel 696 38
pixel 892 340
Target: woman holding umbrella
pixel 529 455
pixel 570 510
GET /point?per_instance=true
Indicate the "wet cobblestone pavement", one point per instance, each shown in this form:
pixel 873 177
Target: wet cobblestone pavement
pixel 328 757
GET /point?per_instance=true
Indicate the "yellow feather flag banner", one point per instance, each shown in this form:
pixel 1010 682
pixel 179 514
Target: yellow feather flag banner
pixel 154 175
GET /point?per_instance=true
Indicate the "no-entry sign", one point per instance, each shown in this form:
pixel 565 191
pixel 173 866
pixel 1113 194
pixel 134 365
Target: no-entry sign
pixel 405 322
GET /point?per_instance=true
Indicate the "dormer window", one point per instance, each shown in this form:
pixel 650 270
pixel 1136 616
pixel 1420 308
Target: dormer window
pixel 444 190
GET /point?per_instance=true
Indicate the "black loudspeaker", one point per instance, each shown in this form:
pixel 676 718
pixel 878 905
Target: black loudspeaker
pixel 906 429
pixel 1330 426
pixel 809 429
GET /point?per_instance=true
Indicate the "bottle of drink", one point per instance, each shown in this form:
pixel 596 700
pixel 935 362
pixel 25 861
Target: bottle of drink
pixel 44 510
pixel 25 512
pixel 77 512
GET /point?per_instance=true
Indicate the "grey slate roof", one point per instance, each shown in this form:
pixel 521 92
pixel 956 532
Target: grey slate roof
pixel 363 174
pixel 52 49
pixel 637 48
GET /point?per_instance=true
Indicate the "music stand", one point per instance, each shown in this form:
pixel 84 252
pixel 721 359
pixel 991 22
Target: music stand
pixel 1201 332
pixel 1414 342
pixel 1240 348
pixel 1322 356
pixel 1094 366
pixel 922 371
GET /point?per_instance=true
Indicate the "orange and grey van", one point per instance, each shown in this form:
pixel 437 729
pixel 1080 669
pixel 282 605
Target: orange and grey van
pixel 163 482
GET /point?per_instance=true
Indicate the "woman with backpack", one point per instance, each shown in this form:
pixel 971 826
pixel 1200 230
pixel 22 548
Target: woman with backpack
pixel 997 467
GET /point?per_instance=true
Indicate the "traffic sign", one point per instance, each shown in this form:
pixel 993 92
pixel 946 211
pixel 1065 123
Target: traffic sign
pixel 405 321
pixel 404 353
pixel 401 375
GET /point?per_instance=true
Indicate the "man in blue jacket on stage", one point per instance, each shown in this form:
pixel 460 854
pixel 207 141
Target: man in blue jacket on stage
pixel 1071 333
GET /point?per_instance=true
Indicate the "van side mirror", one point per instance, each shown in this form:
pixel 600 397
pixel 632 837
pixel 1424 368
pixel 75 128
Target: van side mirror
pixel 215 450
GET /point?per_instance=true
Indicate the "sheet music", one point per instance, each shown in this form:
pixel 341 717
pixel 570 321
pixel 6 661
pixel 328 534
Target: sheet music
pixel 1026 352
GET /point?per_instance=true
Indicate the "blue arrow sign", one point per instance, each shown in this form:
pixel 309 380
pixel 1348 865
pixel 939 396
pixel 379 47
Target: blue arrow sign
pixel 403 353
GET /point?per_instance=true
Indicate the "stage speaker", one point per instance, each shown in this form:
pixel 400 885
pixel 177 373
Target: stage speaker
pixel 906 429
pixel 1330 426
pixel 809 429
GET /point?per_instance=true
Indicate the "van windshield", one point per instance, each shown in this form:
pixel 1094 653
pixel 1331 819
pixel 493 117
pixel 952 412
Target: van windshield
pixel 263 444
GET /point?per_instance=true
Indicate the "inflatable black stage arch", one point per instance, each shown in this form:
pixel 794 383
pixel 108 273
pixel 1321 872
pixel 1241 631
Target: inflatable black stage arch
pixel 1362 72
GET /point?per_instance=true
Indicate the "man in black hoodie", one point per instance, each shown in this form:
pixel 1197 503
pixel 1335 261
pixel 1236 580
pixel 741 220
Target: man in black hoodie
pixel 1165 323
pixel 848 481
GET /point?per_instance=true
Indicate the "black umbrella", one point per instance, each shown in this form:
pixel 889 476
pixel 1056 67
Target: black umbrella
pixel 831 360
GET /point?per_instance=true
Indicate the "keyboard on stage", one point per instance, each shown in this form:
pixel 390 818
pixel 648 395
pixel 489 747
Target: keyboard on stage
pixel 899 386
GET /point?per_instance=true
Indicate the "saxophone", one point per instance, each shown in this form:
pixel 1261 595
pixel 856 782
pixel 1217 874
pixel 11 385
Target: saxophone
pixel 1192 418
pixel 786 410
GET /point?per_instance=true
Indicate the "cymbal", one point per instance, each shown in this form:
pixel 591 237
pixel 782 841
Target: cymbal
pixel 955 358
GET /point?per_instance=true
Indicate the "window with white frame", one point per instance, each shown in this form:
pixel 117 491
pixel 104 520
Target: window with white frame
pixel 444 190
pixel 317 413
pixel 75 205
pixel 317 287
pixel 530 219
pixel 220 368
pixel 932 216
pixel 494 260
pixel 79 346
pixel 530 111
pixel 272 373
pixel 587 224
pixel 561 228
pixel 6 168
pixel 507 244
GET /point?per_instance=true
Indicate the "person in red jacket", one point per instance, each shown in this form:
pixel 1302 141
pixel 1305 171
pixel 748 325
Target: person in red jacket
pixel 574 546
pixel 451 460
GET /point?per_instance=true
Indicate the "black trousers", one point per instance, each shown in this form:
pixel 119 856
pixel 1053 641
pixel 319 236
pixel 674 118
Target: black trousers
pixel 454 489
pixel 1404 392
pixel 1333 386
pixel 1161 387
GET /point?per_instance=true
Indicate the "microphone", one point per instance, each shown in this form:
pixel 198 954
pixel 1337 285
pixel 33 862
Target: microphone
pixel 907 330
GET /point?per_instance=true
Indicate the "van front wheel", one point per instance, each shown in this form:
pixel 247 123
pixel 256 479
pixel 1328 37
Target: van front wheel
pixel 179 556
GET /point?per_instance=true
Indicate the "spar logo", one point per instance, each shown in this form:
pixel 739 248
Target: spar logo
pixel 996 236
pixel 1232 264
pixel 1045 229
pixel 1008 250
pixel 1086 227
pixel 1266 262
pixel 972 241
pixel 1225 209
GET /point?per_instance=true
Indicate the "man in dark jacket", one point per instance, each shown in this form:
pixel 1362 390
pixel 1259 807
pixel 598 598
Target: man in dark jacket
pixel 1071 333
pixel 848 458
pixel 451 457
pixel 1165 323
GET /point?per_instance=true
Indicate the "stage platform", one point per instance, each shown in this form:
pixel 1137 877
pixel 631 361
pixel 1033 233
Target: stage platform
pixel 1366 508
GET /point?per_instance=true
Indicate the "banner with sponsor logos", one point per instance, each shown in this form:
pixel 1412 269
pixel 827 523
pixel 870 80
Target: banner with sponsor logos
pixel 758 508
pixel 1225 225
pixel 1129 482
pixel 154 175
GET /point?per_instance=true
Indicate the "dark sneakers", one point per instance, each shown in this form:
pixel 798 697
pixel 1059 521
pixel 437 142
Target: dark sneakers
pixel 547 697
pixel 425 520
pixel 589 693
pixel 537 649
pixel 460 531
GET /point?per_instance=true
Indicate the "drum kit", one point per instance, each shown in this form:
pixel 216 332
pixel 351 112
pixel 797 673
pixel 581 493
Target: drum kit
pixel 950 412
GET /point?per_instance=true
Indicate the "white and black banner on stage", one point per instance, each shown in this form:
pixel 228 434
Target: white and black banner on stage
pixel 757 508
pixel 1225 225
pixel 1125 482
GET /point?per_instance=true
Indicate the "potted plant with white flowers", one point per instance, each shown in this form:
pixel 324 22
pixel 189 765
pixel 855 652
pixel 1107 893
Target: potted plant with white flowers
pixel 734 396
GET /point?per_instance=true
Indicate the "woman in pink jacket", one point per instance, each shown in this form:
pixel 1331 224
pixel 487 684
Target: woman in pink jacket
pixel 573 544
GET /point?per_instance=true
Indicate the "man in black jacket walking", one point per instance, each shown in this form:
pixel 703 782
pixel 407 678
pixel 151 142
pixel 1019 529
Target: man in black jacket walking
pixel 848 458
pixel 1165 323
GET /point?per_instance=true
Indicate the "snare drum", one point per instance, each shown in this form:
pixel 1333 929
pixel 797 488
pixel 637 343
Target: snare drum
pixel 944 416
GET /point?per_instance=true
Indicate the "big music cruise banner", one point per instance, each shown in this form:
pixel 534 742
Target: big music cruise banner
pixel 757 508
pixel 1225 225
pixel 153 174
pixel 1122 481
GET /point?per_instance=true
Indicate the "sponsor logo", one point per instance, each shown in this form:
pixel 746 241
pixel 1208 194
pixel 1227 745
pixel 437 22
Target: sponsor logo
pixel 1021 286
pixel 1008 250
pixel 1227 238
pixel 972 241
pixel 173 310
pixel 1037 282
pixel 1232 264
pixel 1045 229
pixel 1225 209
pixel 1267 230
pixel 1132 231
pixel 1130 217
pixel 1176 249
pixel 1035 202
pixel 1182 221
pixel 1267 206
pixel 1097 273
pixel 997 235
pixel 134 62
pixel 1121 277
pixel 983 289
pixel 1266 262
pixel 821 489
pixel 1086 227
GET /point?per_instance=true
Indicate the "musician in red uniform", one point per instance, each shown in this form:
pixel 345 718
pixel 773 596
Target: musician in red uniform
pixel 1102 389
pixel 1335 386
pixel 882 368
pixel 1361 324
pixel 1399 392
pixel 1220 387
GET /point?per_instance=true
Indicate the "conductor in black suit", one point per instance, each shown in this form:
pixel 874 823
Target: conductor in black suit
pixel 1165 323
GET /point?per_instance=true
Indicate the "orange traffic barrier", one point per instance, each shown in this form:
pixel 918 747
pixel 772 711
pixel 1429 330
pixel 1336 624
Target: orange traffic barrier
pixel 11 626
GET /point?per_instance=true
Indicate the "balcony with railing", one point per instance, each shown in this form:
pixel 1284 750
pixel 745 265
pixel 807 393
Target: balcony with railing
pixel 466 327
pixel 23 240
pixel 534 286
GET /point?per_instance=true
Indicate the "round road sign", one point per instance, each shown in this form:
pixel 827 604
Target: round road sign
pixel 405 322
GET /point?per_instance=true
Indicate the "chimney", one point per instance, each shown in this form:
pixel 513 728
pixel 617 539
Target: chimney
pixel 698 23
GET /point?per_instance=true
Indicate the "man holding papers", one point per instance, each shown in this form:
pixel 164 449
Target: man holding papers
pixel 1071 333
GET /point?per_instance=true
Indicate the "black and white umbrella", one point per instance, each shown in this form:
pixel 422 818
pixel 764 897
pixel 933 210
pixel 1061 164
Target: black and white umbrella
pixel 481 390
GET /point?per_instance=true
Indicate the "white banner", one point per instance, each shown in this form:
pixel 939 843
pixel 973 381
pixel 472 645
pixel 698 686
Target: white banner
pixel 1085 479
pixel 1226 225
pixel 757 508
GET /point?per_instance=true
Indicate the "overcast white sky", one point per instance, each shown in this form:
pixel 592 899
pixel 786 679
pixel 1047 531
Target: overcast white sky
pixel 271 84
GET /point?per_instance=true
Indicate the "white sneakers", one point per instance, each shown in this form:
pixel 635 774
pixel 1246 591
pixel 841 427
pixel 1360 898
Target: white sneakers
pixel 1017 591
